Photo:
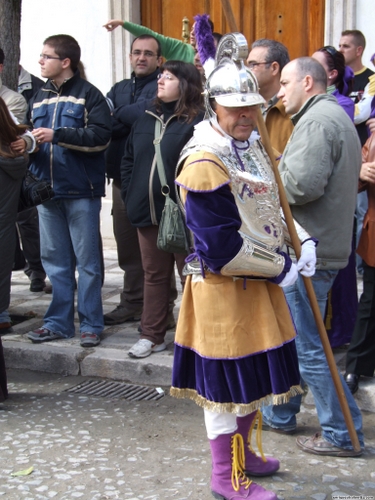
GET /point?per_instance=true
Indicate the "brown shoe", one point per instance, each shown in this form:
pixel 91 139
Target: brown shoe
pixel 121 315
pixel 47 289
pixel 5 328
pixel 317 445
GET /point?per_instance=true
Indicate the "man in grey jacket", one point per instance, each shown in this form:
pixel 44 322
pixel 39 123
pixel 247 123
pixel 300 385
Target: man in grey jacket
pixel 319 170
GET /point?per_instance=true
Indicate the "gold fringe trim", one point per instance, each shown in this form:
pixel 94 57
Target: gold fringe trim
pixel 236 408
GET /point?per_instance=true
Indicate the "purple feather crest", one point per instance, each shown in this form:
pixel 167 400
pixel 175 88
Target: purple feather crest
pixel 204 39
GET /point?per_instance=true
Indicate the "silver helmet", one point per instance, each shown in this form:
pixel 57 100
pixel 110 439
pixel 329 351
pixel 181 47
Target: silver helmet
pixel 231 83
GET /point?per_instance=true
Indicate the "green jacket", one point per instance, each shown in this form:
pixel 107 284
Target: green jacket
pixel 319 170
pixel 171 48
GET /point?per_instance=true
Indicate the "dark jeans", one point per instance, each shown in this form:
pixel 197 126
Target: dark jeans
pixel 28 227
pixel 360 358
pixel 128 253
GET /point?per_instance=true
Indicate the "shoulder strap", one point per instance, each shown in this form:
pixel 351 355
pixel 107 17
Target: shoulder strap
pixel 159 159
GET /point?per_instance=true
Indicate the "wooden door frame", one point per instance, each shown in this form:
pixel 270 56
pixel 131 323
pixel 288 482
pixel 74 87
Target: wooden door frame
pixel 339 16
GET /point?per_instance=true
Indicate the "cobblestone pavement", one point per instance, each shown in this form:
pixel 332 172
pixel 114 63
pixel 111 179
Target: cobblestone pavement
pixel 103 448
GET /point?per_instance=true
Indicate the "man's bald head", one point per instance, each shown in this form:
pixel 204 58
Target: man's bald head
pixel 309 66
pixel 301 79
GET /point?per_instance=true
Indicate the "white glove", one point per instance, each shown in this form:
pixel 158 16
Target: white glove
pixel 290 277
pixel 307 262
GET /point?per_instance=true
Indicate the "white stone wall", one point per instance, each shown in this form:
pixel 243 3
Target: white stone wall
pixel 350 14
pixel 365 23
pixel 82 19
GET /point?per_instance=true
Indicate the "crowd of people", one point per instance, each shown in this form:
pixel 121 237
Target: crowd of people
pixel 246 343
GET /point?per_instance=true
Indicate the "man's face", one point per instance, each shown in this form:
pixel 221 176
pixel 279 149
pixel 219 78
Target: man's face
pixel 237 122
pixel 291 92
pixel 256 61
pixel 349 49
pixel 51 65
pixel 198 64
pixel 143 58
pixel 192 36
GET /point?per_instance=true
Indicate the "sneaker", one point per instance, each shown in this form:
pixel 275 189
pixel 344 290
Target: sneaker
pixel 319 446
pixel 37 285
pixel 89 339
pixel 42 335
pixel 144 348
pixel 121 315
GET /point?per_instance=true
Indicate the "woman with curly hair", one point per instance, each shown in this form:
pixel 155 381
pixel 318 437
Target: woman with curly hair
pixel 178 107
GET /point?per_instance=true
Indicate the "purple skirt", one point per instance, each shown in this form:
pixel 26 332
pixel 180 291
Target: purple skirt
pixel 236 385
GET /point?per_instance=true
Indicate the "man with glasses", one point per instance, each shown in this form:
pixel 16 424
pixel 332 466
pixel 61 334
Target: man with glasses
pixel 266 60
pixel 72 126
pixel 128 99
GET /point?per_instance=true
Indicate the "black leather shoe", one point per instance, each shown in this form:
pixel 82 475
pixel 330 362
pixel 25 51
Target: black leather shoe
pixel 352 380
pixel 37 285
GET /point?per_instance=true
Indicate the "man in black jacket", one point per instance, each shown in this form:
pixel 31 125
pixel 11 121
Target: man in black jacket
pixel 352 45
pixel 128 100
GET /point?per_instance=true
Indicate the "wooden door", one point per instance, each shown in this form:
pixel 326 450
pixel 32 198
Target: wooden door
pixel 298 24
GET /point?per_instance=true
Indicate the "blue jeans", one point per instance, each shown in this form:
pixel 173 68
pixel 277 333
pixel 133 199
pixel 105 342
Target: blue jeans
pixel 314 369
pixel 69 237
pixel 4 317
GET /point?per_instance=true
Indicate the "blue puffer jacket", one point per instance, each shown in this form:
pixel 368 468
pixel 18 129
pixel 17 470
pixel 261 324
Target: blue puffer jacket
pixel 80 117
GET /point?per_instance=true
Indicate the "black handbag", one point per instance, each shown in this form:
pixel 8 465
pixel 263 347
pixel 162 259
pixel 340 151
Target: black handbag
pixel 33 192
pixel 173 233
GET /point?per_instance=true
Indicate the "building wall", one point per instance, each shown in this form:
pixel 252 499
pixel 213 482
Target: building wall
pixel 365 23
pixel 82 19
pixel 105 55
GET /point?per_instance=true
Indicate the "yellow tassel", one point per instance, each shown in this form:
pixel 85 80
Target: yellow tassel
pixel 257 421
pixel 238 463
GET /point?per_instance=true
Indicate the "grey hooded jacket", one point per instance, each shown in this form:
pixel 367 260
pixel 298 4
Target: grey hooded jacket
pixel 320 169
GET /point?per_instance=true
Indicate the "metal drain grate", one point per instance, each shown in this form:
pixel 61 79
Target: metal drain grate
pixel 105 389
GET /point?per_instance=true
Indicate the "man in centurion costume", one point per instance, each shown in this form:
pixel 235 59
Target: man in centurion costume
pixel 235 345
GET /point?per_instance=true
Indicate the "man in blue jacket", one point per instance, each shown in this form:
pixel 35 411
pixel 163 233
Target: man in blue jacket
pixel 72 127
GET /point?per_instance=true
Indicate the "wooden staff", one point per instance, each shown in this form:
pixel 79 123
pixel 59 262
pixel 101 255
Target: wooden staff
pixel 297 248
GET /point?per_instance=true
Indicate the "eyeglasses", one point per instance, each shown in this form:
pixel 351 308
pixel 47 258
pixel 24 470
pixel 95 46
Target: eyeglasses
pixel 253 64
pixel 331 50
pixel 146 53
pixel 167 76
pixel 45 57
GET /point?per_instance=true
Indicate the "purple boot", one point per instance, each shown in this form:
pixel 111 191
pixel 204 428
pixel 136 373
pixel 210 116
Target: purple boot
pixel 228 481
pixel 255 465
